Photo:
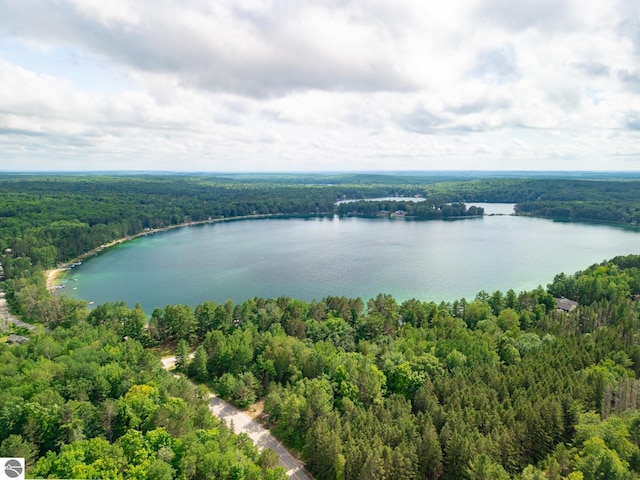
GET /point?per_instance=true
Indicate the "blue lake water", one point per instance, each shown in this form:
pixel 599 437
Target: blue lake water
pixel 354 257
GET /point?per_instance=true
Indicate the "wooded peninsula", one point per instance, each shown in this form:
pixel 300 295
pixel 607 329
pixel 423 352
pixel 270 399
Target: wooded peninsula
pixel 540 384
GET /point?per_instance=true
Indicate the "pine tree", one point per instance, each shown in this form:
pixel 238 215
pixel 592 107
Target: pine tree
pixel 182 355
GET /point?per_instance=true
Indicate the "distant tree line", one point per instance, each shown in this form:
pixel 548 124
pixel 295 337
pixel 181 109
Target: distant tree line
pixel 594 211
pixel 601 200
pixel 421 209
pixel 58 218
pixel 51 219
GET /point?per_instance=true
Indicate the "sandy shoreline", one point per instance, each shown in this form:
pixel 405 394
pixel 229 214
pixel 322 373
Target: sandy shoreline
pixel 52 275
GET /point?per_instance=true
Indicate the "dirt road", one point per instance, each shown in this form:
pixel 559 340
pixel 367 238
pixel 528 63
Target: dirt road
pixel 243 423
pixel 7 318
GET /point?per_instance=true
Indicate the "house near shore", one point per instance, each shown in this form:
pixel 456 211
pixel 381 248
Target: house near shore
pixel 565 305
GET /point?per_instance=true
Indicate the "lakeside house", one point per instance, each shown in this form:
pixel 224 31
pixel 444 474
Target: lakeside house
pixel 565 305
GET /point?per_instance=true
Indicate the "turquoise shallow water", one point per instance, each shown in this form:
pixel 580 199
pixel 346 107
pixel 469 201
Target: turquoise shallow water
pixel 317 257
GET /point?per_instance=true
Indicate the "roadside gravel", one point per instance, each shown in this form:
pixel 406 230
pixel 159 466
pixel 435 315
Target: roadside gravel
pixel 243 423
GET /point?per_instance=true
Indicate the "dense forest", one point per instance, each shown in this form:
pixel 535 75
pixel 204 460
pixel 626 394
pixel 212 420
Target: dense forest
pixel 501 386
pixel 81 403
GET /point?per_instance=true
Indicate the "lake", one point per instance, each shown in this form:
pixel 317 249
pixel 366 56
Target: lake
pixel 312 258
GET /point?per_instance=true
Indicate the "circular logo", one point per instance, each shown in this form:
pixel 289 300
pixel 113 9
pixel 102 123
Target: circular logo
pixel 12 468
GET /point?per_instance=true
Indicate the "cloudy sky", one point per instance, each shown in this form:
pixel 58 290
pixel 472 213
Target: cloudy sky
pixel 319 85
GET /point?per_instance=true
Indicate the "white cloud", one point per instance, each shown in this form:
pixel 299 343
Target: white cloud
pixel 332 84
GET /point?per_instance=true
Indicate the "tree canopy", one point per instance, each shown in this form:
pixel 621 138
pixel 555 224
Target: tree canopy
pixel 503 385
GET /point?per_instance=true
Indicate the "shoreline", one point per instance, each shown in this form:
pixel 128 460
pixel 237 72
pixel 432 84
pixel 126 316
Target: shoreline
pixel 53 275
